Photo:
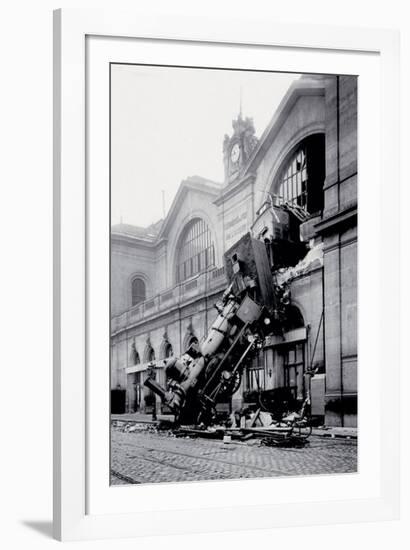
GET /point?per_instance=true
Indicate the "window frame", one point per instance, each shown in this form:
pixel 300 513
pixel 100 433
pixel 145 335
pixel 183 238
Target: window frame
pixel 133 281
pixel 290 178
pixel 196 250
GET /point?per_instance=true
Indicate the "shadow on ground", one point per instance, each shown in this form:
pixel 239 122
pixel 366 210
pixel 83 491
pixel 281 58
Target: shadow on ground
pixel 45 528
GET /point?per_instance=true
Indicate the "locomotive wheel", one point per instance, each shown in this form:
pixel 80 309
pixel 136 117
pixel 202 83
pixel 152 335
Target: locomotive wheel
pixel 230 382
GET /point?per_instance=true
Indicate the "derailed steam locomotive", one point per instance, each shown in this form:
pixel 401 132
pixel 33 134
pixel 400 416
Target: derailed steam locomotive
pixel 248 311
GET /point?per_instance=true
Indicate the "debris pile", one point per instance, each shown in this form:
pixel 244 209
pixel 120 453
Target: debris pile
pixel 313 259
pixel 291 431
pixel 242 426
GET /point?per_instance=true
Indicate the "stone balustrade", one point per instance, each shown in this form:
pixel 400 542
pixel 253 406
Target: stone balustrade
pixel 182 293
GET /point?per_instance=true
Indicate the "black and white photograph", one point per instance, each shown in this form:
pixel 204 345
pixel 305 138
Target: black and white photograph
pixel 233 274
pixel 213 352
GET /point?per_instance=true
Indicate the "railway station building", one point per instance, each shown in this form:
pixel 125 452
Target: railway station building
pixel 166 278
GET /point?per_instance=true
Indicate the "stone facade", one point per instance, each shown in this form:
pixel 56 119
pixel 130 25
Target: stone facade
pixel 324 292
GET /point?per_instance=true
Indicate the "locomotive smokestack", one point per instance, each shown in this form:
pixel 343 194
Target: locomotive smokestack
pixel 156 388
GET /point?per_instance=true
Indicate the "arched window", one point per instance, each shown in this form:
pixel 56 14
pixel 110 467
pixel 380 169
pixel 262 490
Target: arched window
pixel 168 352
pixel 301 180
pixel 294 318
pixel 138 292
pixel 134 356
pixel 196 251
pixel 151 354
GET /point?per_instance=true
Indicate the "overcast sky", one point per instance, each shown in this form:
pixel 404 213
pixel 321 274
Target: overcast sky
pixel 169 123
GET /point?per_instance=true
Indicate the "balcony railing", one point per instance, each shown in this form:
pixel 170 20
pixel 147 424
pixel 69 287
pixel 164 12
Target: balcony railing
pixel 200 285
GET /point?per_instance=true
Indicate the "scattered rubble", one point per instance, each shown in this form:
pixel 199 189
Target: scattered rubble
pixel 259 425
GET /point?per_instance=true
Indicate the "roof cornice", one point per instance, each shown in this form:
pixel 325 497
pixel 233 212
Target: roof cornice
pixel 233 188
pixel 191 184
pixel 130 240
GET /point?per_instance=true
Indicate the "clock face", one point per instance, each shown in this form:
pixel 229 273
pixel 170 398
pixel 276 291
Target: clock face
pixel 235 153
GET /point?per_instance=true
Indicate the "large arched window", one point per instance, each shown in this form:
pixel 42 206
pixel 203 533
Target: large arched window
pixel 301 180
pixel 196 251
pixel 138 292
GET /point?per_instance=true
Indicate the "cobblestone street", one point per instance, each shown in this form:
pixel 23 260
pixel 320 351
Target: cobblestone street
pixel 149 457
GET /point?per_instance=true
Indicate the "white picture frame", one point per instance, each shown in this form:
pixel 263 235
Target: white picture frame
pixel 85 507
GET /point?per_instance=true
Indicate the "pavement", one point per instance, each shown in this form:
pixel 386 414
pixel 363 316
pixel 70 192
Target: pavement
pixel 147 456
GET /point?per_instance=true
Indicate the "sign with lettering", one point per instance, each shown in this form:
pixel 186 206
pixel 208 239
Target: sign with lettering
pixel 235 227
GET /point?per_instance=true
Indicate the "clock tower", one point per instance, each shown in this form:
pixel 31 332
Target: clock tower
pixel 236 201
pixel 238 148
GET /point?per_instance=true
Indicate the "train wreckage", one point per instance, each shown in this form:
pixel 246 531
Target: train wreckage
pixel 254 306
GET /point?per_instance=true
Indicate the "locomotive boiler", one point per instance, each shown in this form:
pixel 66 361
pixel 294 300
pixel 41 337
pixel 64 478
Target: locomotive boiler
pixel 211 371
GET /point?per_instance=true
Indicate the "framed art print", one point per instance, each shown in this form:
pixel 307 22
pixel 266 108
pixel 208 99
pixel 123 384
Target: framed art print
pixel 221 331
pixel 188 369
